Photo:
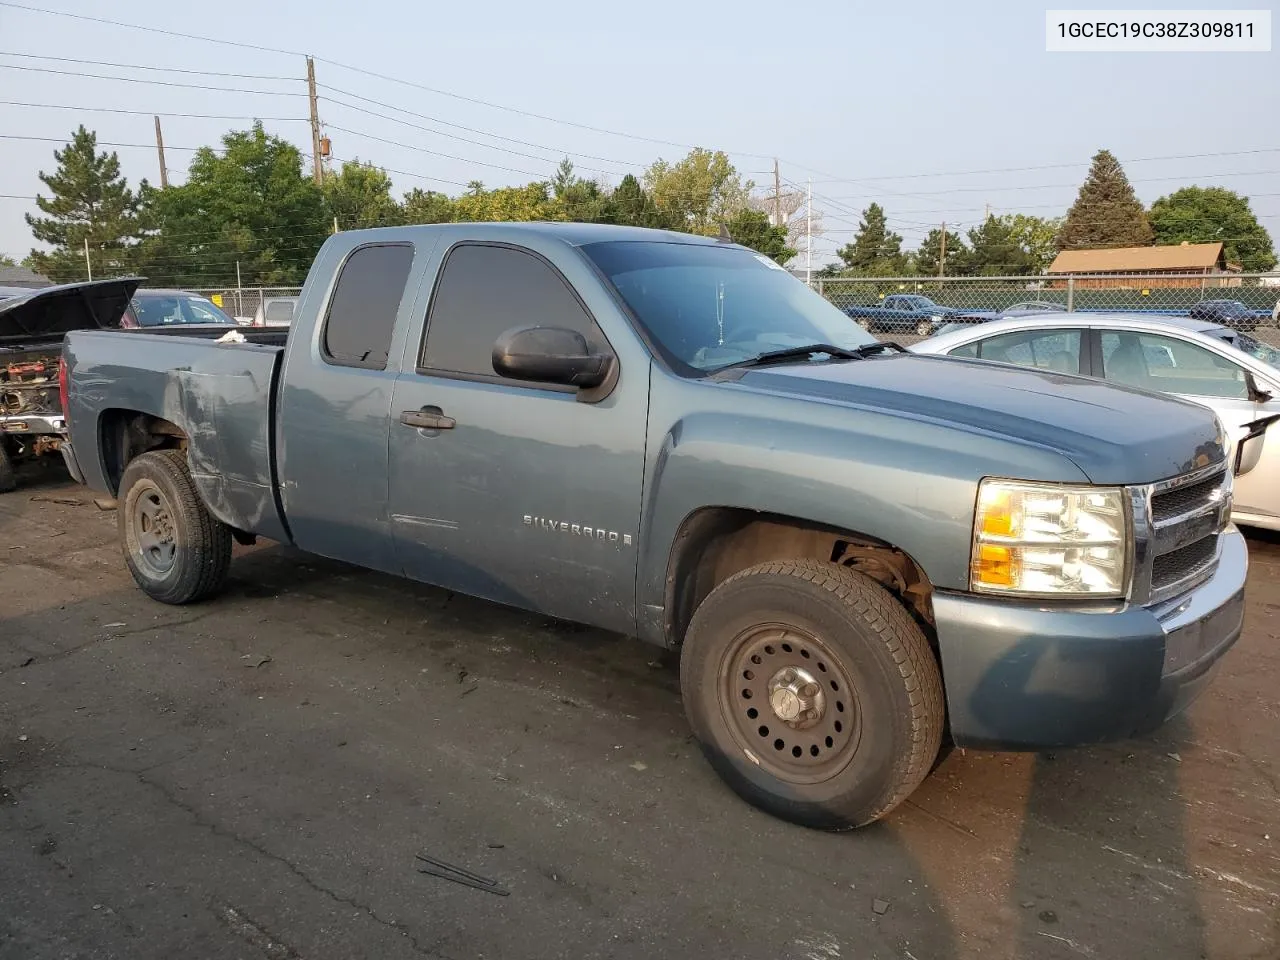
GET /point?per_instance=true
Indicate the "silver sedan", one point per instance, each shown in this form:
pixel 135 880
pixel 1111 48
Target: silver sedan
pixel 1234 374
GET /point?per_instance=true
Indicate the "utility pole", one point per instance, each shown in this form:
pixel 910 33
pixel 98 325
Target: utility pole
pixel 87 265
pixel 808 238
pixel 335 223
pixel 942 254
pixel 777 194
pixel 317 171
pixel 988 214
pixel 164 171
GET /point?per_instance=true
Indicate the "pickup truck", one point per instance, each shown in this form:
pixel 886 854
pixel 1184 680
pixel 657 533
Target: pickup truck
pixel 902 313
pixel 32 324
pixel 858 551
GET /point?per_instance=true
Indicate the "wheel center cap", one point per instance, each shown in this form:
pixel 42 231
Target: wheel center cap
pixel 796 697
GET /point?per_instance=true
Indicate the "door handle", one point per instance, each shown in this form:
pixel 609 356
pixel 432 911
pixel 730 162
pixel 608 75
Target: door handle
pixel 428 418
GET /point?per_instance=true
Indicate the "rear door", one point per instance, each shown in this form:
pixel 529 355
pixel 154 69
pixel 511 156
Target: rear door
pixel 335 409
pixel 527 495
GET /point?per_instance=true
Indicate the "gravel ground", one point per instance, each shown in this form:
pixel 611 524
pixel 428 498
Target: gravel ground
pixel 252 778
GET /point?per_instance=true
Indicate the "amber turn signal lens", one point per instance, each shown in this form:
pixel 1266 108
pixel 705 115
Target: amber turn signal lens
pixel 997 566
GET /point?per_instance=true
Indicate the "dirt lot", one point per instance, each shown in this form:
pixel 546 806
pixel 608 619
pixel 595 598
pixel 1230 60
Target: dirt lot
pixel 252 778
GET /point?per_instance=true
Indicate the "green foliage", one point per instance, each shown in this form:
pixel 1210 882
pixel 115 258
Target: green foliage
pixel 752 228
pixel 1038 236
pixel 426 206
pixel 574 198
pixel 7 261
pixel 1209 214
pixel 926 259
pixel 698 193
pixel 90 201
pixel 252 205
pixel 360 196
pixel 631 205
pixel 995 251
pixel 529 202
pixel 1106 213
pixel 875 251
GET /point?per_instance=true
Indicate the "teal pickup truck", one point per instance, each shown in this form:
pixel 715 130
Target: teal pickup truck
pixel 858 552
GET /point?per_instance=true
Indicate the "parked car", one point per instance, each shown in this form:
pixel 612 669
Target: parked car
pixel 32 325
pixel 1230 313
pixel 901 313
pixel 166 308
pixel 275 312
pixel 852 546
pixel 1225 369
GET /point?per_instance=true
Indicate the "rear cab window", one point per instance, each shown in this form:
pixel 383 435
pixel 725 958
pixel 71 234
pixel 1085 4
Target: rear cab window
pixel 361 317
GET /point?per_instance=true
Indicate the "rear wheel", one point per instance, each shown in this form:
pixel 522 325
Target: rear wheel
pixel 813 692
pixel 177 552
pixel 924 328
pixel 8 477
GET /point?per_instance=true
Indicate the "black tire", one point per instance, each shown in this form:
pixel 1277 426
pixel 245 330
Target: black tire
pixel 830 622
pixel 182 554
pixel 8 476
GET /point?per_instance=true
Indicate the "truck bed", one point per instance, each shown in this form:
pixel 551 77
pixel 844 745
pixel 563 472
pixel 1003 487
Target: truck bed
pixel 220 396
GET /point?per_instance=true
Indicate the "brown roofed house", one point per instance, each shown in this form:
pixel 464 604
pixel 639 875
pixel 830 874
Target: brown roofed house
pixel 1185 264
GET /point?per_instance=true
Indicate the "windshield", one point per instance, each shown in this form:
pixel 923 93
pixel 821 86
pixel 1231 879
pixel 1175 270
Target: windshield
pixel 1253 347
pixel 170 309
pixel 706 307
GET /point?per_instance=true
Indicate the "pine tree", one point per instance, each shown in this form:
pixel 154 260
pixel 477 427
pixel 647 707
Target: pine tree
pixel 1106 213
pixel 91 201
pixel 875 250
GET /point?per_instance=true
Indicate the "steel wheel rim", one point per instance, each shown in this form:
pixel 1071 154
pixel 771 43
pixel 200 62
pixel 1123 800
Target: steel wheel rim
pixel 795 749
pixel 155 540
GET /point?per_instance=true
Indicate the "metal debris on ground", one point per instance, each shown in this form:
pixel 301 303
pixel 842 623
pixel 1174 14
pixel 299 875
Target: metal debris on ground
pixel 447 871
pixel 881 907
pixel 255 660
pixel 65 501
pixel 104 503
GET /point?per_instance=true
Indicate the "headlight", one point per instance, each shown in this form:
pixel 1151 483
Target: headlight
pixel 1048 540
pixel 936 318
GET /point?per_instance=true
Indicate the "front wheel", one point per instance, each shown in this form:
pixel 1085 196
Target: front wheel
pixel 924 328
pixel 177 552
pixel 813 692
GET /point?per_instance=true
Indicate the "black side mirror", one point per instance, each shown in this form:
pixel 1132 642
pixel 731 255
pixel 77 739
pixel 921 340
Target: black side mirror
pixel 550 355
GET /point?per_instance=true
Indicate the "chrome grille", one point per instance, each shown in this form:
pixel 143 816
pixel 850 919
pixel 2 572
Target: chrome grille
pixel 1177 524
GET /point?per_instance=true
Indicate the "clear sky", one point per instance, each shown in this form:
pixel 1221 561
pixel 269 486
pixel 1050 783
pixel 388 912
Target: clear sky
pixel 919 106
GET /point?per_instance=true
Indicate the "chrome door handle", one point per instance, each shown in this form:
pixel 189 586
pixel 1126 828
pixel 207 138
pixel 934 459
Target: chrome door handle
pixel 427 420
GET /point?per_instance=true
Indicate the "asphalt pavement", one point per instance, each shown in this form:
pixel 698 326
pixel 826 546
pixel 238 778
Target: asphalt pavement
pixel 256 776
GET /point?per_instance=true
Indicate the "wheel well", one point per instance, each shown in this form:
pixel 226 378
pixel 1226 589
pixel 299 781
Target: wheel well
pixel 716 542
pixel 125 434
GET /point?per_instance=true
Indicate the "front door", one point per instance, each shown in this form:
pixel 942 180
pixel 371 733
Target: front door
pixel 512 491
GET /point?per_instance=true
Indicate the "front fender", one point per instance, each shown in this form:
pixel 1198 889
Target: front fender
pixel 906 482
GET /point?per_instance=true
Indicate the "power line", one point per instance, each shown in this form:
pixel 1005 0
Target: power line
pixel 148 113
pixel 160 83
pixel 423 116
pixel 138 26
pixel 437 153
pixel 139 66
pixel 103 143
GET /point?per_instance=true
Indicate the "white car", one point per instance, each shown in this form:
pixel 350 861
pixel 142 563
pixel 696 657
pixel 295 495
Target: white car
pixel 1233 373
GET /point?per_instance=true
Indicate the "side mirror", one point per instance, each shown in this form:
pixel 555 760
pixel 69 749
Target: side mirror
pixel 550 355
pixel 1249 449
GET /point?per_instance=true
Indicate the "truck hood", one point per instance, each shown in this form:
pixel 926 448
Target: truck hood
pixel 1114 434
pixel 47 313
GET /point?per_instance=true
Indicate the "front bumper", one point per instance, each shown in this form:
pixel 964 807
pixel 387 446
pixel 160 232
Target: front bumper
pixel 1027 676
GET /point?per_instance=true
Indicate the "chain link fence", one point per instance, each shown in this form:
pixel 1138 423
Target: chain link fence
pixel 1250 297
pixel 246 304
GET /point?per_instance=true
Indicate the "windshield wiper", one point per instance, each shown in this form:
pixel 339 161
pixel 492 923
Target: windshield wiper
pixel 790 354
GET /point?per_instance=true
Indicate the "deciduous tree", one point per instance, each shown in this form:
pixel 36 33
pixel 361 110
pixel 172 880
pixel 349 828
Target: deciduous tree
pixel 700 192
pixel 1208 214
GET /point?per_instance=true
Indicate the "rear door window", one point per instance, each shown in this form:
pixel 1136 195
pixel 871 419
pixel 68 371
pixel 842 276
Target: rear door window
pixel 362 312
pixel 1056 350
pixel 1170 365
